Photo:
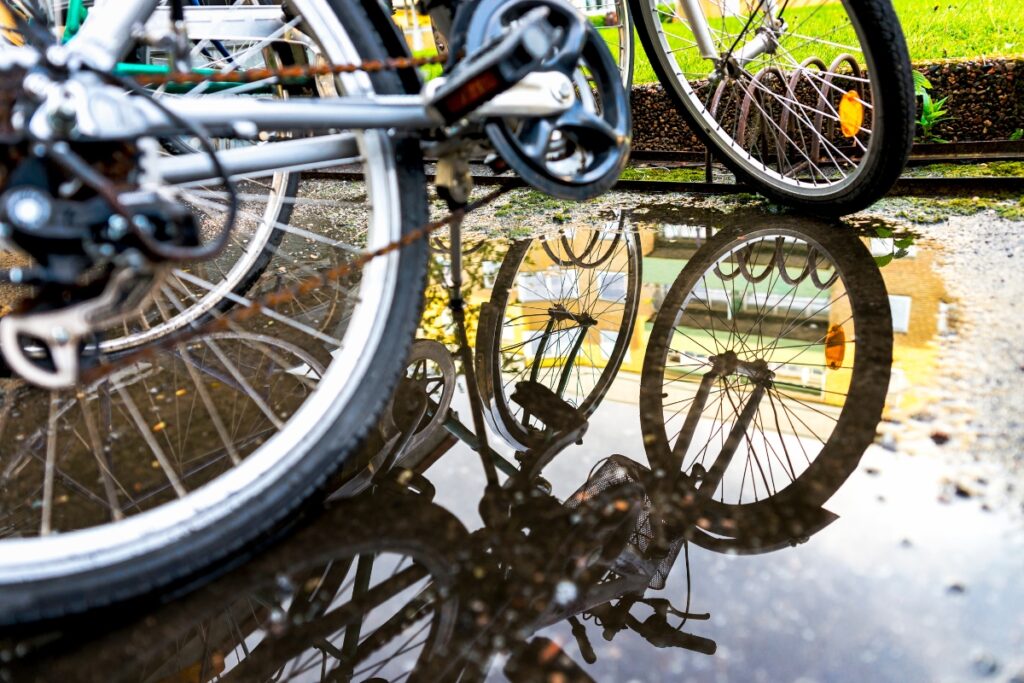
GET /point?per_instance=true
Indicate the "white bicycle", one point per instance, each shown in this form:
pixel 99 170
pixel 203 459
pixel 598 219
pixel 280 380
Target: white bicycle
pixel 194 337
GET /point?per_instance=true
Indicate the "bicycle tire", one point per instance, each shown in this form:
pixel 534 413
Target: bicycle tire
pixel 868 386
pixel 157 638
pixel 885 51
pixel 53 577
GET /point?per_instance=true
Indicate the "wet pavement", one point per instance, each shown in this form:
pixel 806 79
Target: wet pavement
pixel 862 520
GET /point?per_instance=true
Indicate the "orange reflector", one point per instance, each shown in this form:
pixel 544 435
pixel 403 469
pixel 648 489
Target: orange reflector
pixel 851 114
pixel 835 347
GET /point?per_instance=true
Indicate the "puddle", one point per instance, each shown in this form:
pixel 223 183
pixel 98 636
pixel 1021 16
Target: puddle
pixel 884 359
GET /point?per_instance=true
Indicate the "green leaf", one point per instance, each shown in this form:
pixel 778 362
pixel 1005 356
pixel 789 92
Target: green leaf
pixel 883 261
pixel 883 232
pixel 927 106
pixel 901 253
pixel 904 242
pixel 921 83
pixel 1017 135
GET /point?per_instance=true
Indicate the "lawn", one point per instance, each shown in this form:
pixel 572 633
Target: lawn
pixel 935 29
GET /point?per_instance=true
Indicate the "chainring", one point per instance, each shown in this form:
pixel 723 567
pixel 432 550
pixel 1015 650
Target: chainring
pixel 579 153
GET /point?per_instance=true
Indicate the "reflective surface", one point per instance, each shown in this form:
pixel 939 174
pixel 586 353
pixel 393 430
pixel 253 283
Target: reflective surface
pixel 734 445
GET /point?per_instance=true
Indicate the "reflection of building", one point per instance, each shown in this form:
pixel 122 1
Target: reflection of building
pixel 920 313
pixel 916 295
pixel 917 298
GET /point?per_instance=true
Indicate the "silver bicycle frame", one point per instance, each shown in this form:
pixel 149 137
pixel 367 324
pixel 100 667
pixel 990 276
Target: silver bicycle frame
pixel 114 25
pixel 698 22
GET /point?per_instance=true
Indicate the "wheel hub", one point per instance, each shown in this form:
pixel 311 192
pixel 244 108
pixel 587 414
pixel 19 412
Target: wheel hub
pixel 728 364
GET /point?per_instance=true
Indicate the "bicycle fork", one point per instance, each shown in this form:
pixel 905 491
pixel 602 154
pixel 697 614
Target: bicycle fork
pixel 723 365
pixel 765 40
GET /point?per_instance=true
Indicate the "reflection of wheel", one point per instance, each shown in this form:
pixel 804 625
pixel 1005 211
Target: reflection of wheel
pixel 553 322
pixel 430 372
pixel 767 368
pixel 177 460
pixel 823 119
pixel 365 593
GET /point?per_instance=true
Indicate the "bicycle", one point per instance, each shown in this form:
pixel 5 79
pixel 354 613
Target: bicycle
pixel 93 160
pixel 622 531
pixel 593 558
pixel 812 104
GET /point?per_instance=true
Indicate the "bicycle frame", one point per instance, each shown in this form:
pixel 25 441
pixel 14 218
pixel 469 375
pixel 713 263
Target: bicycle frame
pixel 698 22
pixel 112 27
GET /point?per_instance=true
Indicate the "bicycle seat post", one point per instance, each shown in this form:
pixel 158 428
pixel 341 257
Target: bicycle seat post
pixel 454 185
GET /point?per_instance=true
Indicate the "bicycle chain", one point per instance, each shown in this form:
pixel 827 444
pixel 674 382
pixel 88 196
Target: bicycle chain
pixel 244 312
pixel 289 73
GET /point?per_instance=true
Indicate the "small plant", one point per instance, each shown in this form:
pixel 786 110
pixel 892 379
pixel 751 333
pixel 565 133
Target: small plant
pixel 900 246
pixel 932 112
pixel 1017 135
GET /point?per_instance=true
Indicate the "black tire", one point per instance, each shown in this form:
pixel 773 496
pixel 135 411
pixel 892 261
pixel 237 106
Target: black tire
pixel 888 63
pixel 240 529
pixel 157 638
pixel 855 426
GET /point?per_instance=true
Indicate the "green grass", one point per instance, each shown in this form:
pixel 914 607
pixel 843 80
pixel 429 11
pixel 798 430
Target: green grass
pixel 962 29
pixel 935 29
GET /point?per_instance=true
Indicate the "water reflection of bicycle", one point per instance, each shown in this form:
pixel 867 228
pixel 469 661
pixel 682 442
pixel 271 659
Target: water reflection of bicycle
pixel 765 376
pixel 775 331
pixel 408 587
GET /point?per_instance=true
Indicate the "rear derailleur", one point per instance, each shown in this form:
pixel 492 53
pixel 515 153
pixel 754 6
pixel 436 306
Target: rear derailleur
pixel 94 225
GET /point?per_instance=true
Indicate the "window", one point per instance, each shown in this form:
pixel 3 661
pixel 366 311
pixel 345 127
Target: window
pixel 554 285
pixel 611 286
pixel 900 306
pixel 490 272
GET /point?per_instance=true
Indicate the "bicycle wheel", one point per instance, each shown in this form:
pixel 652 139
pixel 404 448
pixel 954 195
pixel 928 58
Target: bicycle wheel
pixel 267 203
pixel 176 461
pixel 367 592
pixel 561 314
pixel 767 370
pixel 812 105
pixel 611 17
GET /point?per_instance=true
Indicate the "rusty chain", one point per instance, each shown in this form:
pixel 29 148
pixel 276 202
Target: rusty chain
pixel 243 312
pixel 289 73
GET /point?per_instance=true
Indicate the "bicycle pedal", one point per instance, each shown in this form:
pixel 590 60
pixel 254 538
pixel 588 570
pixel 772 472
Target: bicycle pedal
pixel 550 408
pixel 495 67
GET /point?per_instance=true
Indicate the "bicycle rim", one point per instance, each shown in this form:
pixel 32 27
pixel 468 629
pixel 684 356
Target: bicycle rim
pixel 66 462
